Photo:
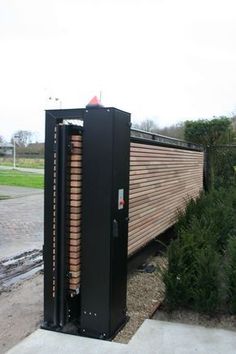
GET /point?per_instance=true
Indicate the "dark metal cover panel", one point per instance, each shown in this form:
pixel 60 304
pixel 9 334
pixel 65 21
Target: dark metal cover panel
pixel 105 169
pixel 50 303
pixel 121 145
pixel 96 228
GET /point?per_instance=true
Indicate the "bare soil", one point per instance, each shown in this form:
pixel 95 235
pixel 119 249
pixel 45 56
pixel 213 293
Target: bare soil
pixel 21 305
pixel 21 308
pixel 19 267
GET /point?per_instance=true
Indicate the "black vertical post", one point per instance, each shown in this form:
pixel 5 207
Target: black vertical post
pixel 206 170
pixel 62 226
pixel 50 263
pixel 106 140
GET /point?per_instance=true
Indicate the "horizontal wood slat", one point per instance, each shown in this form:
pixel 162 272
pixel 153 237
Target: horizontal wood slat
pixel 74 242
pixel 75 171
pixel 152 148
pixel 162 180
pixel 74 138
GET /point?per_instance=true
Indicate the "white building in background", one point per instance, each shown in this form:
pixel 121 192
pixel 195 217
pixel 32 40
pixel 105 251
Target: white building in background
pixel 6 149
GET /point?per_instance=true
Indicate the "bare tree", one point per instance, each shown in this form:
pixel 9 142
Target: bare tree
pixel 23 137
pixel 174 131
pixel 148 125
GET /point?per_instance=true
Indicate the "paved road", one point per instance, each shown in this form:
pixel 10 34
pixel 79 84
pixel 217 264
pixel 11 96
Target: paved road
pixel 22 169
pixel 21 220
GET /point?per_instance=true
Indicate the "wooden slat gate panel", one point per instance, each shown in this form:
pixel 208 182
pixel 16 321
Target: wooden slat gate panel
pixel 162 180
pixel 75 209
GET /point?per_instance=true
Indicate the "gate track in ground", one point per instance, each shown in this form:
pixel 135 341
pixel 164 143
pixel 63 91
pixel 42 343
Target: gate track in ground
pixel 19 267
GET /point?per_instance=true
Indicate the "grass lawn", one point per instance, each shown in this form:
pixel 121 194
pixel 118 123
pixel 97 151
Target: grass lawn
pixel 22 162
pixel 21 179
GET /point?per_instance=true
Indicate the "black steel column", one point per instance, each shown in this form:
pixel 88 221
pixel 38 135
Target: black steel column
pixel 106 140
pixel 50 197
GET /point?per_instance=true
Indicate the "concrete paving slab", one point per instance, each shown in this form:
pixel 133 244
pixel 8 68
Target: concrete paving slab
pixel 18 192
pixel 153 337
pixel 21 220
pixel 162 337
pixel 47 342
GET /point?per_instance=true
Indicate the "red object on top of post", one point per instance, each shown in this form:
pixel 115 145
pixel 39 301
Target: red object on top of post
pixel 94 102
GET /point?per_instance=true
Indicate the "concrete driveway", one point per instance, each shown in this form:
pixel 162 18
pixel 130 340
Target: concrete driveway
pixel 153 337
pixel 21 220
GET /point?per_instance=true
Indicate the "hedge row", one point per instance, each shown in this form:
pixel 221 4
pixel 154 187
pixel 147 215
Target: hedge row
pixel 201 273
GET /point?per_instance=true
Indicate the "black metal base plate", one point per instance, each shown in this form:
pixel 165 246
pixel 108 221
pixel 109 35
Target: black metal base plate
pixel 74 329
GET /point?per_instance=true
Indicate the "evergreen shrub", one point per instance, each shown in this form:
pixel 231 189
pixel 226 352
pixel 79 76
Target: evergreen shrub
pixel 206 240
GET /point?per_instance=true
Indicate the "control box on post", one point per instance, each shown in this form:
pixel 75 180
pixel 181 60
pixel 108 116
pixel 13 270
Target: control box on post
pixel 105 194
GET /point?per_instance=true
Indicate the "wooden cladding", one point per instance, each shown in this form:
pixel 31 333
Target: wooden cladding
pixel 162 180
pixel 74 217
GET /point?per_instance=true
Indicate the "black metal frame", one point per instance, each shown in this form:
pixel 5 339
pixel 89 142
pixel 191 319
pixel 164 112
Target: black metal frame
pixel 60 310
pixel 141 136
pixel 106 142
pixel 57 149
pixel 207 162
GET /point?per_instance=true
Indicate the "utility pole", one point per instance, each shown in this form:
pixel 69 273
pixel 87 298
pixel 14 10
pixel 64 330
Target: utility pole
pixel 14 151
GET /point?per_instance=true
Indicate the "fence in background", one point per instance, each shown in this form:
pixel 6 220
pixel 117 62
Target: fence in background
pixel 221 170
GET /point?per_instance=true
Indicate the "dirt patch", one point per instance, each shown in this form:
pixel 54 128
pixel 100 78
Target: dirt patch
pixel 3 197
pixel 144 293
pixel 21 310
pixel 22 305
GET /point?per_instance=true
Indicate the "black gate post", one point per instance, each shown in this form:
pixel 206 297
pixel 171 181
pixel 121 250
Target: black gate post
pixel 50 221
pixel 105 194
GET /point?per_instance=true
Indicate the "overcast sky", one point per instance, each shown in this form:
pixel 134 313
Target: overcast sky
pixel 167 60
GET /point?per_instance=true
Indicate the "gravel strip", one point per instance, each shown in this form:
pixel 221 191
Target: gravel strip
pixel 144 292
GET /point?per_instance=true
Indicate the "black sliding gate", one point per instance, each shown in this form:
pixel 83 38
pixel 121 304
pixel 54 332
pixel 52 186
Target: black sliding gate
pixel 91 161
